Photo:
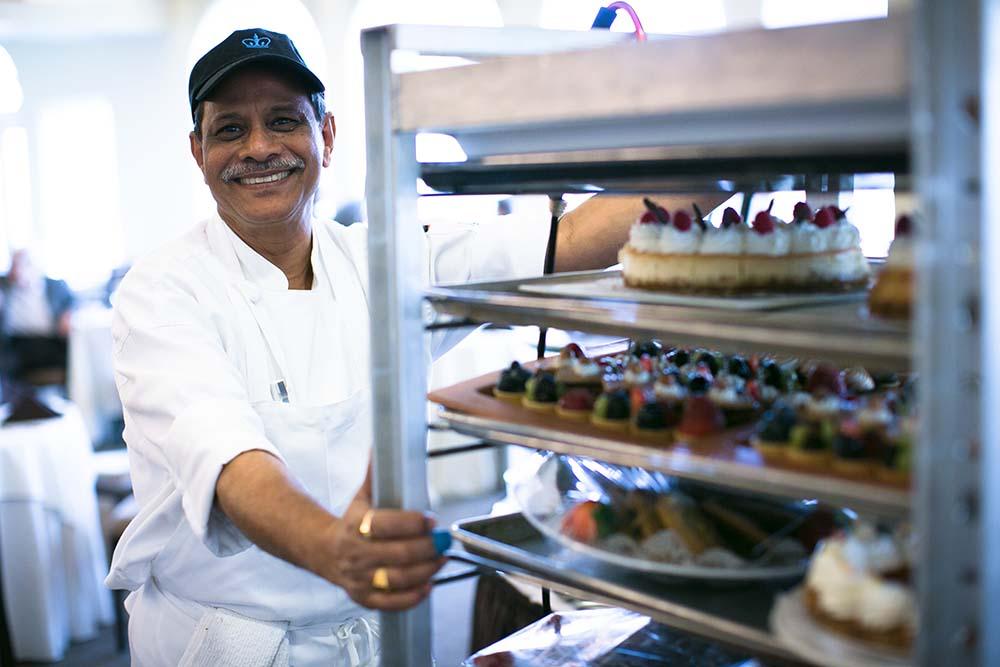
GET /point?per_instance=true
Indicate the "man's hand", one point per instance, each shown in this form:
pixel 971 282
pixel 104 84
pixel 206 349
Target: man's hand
pixel 258 494
pixel 398 541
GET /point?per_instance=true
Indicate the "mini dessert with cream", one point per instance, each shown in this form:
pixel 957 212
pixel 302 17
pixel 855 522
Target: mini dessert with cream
pixel 892 294
pixel 510 386
pixel 817 251
pixel 858 586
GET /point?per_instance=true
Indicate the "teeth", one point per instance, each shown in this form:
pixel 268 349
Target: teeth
pixel 281 175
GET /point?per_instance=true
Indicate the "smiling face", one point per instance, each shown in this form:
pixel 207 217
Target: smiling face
pixel 261 149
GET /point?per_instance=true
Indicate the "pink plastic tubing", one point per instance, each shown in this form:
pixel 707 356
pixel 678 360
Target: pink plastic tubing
pixel 640 34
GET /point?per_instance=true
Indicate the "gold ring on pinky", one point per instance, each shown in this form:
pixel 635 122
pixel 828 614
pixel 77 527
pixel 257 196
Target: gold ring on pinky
pixel 380 579
pixel 366 524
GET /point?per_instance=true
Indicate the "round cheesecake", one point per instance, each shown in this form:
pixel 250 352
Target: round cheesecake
pixel 769 256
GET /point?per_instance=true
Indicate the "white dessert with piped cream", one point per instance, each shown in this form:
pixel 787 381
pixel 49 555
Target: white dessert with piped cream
pixel 857 585
pixel 820 252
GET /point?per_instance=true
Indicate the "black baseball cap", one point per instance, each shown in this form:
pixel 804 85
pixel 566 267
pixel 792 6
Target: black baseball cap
pixel 253 45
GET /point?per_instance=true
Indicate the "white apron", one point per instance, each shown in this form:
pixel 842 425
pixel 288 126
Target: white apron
pixel 252 609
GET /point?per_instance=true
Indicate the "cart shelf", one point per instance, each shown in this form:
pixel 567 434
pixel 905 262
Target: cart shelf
pixel 721 467
pixel 736 616
pixel 841 333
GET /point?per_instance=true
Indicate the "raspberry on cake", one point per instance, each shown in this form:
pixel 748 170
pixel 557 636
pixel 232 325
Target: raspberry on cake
pixel 815 252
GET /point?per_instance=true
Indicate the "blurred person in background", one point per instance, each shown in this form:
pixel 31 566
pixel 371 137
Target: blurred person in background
pixel 35 313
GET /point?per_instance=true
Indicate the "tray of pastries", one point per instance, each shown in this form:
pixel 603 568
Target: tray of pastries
pixel 669 528
pixel 750 410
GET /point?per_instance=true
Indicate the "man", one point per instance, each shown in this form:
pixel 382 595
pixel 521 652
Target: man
pixel 35 314
pixel 241 357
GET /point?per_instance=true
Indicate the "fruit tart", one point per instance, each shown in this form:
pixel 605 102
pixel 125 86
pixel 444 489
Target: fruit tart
pixel 668 388
pixel 773 434
pixel 729 392
pixel 574 370
pixel 655 419
pixel 810 443
pixel 612 410
pixel 510 385
pixel 576 404
pixel 898 453
pixel 540 392
pixel 850 454
pixel 702 418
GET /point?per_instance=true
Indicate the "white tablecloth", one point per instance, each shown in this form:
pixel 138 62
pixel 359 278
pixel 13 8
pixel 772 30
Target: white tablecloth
pixel 52 555
pixel 91 380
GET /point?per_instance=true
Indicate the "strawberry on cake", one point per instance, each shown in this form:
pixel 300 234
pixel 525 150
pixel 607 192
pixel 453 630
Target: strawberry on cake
pixel 817 251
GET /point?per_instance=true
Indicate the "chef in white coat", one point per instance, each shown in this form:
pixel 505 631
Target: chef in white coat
pixel 241 357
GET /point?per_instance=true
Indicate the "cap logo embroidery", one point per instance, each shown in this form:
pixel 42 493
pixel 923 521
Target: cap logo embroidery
pixel 256 42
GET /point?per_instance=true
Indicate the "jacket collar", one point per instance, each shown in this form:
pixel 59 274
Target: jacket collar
pixel 243 261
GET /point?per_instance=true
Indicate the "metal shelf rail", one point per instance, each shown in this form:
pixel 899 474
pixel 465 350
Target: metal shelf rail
pixel 726 96
pixel 870 498
pixel 830 331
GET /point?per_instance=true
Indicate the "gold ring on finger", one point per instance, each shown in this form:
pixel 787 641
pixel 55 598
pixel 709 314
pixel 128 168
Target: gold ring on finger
pixel 366 524
pixel 380 579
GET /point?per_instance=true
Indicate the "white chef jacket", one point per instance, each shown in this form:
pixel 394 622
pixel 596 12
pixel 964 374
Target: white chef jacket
pixel 181 350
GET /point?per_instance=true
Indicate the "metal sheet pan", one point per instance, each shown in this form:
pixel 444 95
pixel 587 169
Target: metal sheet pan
pixel 736 616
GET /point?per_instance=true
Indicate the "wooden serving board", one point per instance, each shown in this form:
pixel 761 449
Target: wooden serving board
pixel 474 397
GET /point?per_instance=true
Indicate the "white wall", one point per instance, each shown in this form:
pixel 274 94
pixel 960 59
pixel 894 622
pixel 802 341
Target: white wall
pixel 138 76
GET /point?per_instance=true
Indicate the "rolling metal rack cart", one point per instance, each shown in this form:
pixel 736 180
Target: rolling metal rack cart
pixel 565 112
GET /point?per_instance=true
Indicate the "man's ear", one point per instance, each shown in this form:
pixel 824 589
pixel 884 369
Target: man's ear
pixel 196 152
pixel 329 134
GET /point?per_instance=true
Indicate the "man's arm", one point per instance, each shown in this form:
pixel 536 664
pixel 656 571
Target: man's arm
pixel 591 234
pixel 189 406
pixel 259 495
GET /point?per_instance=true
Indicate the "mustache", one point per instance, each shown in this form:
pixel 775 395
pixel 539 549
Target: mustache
pixel 252 167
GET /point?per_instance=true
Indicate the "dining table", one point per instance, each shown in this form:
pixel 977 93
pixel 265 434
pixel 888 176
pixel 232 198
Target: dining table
pixel 53 558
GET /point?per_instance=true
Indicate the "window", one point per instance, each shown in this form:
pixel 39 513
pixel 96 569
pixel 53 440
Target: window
pixel 11 95
pixel 15 185
pixel 787 13
pixel 81 234
pixel 15 195
pixel 871 206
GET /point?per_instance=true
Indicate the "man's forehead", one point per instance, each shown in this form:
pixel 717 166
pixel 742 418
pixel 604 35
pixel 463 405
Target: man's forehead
pixel 258 86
